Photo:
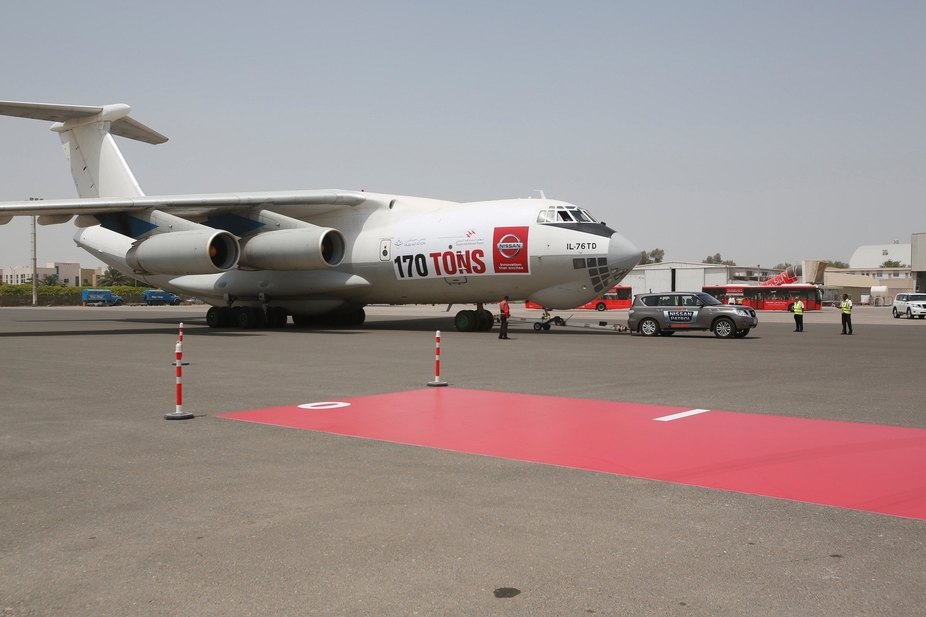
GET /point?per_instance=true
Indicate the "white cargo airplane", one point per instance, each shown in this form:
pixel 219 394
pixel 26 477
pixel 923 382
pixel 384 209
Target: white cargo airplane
pixel 320 255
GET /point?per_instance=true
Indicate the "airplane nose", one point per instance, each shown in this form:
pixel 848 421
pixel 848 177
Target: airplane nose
pixel 622 255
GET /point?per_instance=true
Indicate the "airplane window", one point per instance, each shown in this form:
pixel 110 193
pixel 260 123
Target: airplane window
pixel 564 216
pixel 580 216
pixel 542 217
pixel 578 263
pixel 590 217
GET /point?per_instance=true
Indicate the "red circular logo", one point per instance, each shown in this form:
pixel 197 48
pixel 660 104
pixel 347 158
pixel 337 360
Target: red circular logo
pixel 509 246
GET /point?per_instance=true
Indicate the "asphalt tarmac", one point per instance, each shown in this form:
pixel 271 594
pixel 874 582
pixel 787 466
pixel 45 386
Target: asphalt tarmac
pixel 108 509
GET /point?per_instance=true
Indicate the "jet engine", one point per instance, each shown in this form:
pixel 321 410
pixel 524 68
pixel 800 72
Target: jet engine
pixel 304 248
pixel 200 251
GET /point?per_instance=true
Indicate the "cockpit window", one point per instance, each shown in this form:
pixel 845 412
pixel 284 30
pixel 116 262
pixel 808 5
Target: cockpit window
pixel 581 216
pixel 565 214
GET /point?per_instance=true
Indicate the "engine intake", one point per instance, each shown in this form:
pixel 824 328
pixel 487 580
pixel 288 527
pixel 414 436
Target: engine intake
pixel 305 248
pixel 185 252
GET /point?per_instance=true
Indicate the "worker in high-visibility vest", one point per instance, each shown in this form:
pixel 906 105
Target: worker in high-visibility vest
pixel 798 308
pixel 504 313
pixel 846 306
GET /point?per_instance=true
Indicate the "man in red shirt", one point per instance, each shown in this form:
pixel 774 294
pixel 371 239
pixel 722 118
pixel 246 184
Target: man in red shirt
pixel 505 313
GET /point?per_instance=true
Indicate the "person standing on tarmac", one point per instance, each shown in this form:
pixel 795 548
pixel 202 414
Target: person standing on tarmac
pixel 798 308
pixel 505 312
pixel 846 306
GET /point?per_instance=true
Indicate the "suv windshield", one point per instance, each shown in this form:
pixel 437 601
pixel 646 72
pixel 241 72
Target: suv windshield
pixel 916 297
pixel 708 299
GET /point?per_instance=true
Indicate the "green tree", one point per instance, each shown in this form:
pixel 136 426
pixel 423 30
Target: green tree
pixel 112 277
pixel 717 259
pixel 50 280
pixel 782 266
pixel 837 264
pixel 652 257
pixel 892 263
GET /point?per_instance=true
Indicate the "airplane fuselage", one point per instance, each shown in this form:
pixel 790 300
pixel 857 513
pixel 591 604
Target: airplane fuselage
pixel 403 250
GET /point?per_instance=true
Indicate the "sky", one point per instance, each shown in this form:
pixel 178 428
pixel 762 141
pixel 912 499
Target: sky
pixel 765 131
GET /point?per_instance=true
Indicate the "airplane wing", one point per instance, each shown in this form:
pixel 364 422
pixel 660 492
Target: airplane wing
pixel 181 205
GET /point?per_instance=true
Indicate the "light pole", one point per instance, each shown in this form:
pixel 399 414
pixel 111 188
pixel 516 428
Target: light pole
pixel 35 291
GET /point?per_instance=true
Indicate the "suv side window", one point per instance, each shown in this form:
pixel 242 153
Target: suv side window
pixel 668 300
pixel 687 300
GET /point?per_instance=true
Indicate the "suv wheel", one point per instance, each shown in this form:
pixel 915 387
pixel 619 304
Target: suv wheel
pixel 909 314
pixel 896 314
pixel 724 328
pixel 649 327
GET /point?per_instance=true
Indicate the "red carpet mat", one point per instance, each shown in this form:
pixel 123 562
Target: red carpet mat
pixel 860 466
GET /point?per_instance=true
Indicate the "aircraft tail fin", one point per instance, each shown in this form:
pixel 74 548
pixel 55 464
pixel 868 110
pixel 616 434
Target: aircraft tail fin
pixel 97 164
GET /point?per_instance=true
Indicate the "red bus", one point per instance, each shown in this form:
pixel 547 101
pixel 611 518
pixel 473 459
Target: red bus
pixel 620 297
pixel 778 298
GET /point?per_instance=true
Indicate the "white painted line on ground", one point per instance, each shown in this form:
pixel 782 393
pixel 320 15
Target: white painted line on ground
pixel 684 414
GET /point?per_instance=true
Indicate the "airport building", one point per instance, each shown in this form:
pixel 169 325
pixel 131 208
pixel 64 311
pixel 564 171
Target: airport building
pixel 69 274
pixel 865 281
pixel 918 261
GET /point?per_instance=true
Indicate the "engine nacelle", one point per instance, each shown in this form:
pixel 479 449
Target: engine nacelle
pixel 201 251
pixel 305 248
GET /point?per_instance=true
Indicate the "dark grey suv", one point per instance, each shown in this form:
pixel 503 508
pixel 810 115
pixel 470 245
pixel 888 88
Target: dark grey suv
pixel 667 313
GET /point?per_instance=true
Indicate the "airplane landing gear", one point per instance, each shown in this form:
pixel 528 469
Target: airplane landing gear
pixel 351 319
pixel 479 320
pixel 246 317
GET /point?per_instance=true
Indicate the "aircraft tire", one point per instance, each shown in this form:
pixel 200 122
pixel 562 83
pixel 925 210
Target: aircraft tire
pixel 487 321
pixel 247 318
pixel 465 321
pixel 276 317
pixel 302 321
pixel 214 317
pixel 538 326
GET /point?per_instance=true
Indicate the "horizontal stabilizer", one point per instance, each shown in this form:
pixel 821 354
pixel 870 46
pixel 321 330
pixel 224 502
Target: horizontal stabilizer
pixel 132 129
pixel 123 127
pixel 44 111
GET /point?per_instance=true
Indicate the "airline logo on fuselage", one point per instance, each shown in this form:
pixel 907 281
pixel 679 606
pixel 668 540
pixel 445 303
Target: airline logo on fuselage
pixel 510 246
pixel 510 250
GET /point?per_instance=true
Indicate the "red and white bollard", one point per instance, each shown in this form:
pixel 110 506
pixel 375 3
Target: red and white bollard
pixel 437 382
pixel 179 414
pixel 180 341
